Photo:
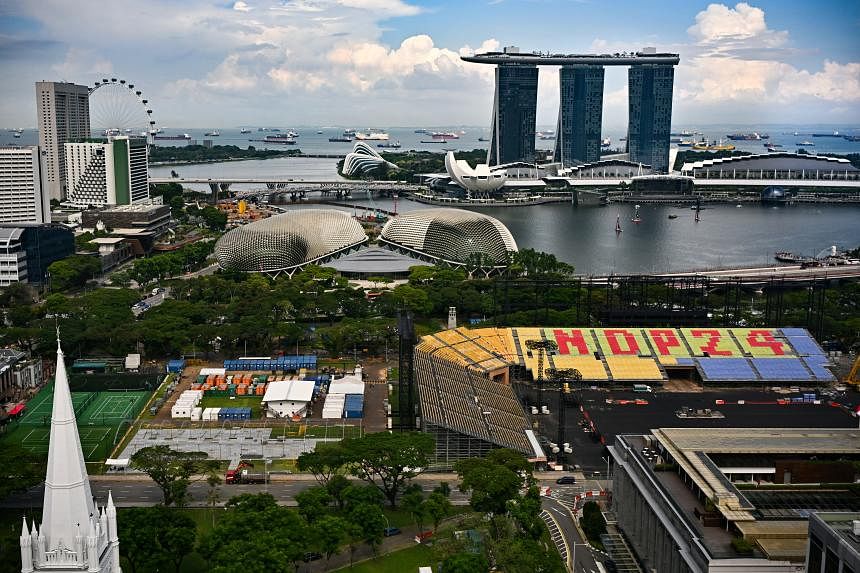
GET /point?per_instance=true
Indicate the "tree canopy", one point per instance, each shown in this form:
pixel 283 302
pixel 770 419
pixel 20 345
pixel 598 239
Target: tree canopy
pixel 171 470
pixel 389 460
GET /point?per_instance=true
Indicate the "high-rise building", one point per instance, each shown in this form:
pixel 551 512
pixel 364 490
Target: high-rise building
pixel 580 115
pixel 63 111
pixel 111 172
pixel 650 114
pixel 514 114
pixel 27 249
pixel 75 534
pixel 22 197
pixel 581 81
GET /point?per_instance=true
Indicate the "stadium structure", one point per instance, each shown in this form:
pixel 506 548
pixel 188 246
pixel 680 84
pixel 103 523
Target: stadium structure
pixel 289 242
pixel 465 378
pixel 363 159
pixel 455 237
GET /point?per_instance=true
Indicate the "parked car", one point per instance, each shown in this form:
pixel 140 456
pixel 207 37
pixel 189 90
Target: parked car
pixel 389 531
pixel 565 480
pixel 311 556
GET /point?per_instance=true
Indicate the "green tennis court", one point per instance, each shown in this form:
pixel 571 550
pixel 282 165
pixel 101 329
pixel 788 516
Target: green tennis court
pixel 96 441
pixel 38 411
pixel 100 416
pixel 109 408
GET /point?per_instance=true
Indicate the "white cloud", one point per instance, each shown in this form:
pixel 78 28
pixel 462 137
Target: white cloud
pixel 82 62
pixel 736 58
pixel 241 7
pixel 835 83
pixel 386 8
pixel 366 64
pixel 720 23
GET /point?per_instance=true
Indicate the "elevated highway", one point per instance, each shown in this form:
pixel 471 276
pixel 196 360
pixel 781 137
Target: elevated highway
pixel 288 185
pixel 786 274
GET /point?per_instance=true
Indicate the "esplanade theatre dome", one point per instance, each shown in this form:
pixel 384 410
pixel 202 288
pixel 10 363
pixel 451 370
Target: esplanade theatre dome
pixel 450 235
pixel 288 242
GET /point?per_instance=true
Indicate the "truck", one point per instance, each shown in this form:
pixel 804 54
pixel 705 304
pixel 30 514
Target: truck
pixel 641 388
pixel 240 474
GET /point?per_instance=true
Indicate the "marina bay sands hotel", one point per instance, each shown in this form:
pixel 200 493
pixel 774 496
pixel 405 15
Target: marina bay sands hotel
pixel 578 136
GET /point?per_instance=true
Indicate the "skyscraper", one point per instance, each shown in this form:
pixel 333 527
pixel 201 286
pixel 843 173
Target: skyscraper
pixel 579 124
pixel 580 115
pixel 111 172
pixel 22 198
pixel 650 114
pixel 63 111
pixel 514 114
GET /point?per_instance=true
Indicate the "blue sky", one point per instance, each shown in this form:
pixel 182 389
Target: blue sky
pixel 396 62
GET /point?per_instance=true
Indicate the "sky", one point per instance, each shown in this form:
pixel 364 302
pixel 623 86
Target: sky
pixel 388 63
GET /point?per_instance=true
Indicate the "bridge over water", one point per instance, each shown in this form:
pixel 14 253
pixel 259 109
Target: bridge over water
pixel 289 185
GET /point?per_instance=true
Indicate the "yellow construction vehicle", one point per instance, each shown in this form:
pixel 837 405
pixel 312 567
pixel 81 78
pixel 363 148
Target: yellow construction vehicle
pixel 853 377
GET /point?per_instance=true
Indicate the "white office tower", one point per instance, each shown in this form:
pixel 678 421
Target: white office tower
pixel 63 111
pixel 75 535
pixel 22 199
pixel 111 172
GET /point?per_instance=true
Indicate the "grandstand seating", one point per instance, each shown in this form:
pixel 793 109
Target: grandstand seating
pixel 717 342
pixel 788 369
pixel 816 366
pixel 622 342
pixel 667 342
pixel 802 343
pixel 630 368
pixel 726 369
pixel 762 342
pixel 456 396
pixel 590 368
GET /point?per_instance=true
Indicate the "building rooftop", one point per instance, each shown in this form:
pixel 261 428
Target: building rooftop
pixel 842 523
pixel 538 58
pixel 289 390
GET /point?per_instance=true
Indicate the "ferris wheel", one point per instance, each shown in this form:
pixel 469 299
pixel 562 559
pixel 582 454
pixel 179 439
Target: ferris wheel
pixel 119 108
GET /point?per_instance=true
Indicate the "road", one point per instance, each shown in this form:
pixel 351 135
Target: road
pixel 137 490
pixel 558 506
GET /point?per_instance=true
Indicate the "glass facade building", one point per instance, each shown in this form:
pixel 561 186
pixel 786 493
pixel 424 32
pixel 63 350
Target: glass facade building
pixel 514 114
pixel 580 115
pixel 650 114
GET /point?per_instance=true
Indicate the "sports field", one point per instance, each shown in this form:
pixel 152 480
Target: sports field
pixel 99 416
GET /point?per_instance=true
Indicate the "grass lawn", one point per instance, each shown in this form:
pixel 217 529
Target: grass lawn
pixel 253 402
pixel 395 562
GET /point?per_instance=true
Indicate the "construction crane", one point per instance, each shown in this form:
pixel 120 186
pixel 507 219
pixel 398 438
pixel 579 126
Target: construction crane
pixel 541 346
pixel 563 377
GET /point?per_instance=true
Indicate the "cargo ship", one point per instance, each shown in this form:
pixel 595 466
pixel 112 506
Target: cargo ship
pixel 183 137
pixel 211 134
pixel 713 146
pixel 834 134
pixel 444 135
pixel 372 135
pixel 392 145
pixel 280 138
pixel 340 139
pixel 746 136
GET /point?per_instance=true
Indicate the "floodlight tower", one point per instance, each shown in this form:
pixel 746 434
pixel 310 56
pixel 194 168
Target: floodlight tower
pixel 541 346
pixel 563 377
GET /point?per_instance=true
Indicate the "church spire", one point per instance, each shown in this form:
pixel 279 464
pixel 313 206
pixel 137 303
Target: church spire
pixel 68 500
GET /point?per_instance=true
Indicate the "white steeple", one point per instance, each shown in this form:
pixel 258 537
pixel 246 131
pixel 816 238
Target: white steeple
pixel 72 537
pixel 68 500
